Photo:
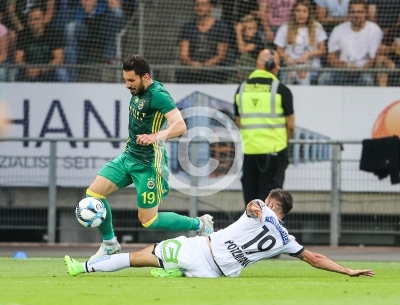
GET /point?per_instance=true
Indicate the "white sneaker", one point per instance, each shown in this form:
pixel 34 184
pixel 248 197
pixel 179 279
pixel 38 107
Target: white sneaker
pixel 206 225
pixel 107 249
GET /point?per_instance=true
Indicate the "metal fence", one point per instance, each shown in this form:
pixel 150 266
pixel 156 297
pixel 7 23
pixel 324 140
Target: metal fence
pixel 335 202
pixel 112 73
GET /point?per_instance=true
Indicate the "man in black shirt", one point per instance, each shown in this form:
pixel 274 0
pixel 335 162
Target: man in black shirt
pixel 38 44
pixel 203 43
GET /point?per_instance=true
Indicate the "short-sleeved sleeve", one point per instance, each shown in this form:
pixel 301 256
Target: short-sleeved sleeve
pixel 293 248
pixel 281 36
pixel 376 39
pixel 320 33
pixel 55 39
pixel 333 42
pixel 287 99
pixel 222 29
pixel 3 30
pixel 187 31
pixel 163 102
pixel 21 40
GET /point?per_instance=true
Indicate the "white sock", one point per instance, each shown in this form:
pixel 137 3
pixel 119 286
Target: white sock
pixel 110 241
pixel 108 263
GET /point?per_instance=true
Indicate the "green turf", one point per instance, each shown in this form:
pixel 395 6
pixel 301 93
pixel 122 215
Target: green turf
pixel 44 281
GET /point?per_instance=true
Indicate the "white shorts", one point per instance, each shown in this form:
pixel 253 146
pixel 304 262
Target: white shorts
pixel 192 255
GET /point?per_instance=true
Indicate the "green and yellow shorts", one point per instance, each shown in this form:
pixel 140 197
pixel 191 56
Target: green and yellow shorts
pixel 151 182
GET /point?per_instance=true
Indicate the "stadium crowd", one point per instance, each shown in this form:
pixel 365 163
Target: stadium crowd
pixel 349 34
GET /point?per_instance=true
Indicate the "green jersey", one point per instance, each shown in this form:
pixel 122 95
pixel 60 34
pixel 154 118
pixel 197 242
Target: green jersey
pixel 146 116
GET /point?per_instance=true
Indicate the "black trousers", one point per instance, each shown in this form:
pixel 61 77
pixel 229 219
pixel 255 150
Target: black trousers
pixel 263 173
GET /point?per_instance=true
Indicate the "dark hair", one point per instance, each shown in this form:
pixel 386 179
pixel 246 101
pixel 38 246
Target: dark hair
pixel 36 7
pixel 2 7
pixel 283 198
pixel 354 2
pixel 137 63
pixel 212 2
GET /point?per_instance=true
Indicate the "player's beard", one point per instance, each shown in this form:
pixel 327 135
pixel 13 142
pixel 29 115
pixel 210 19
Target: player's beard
pixel 140 88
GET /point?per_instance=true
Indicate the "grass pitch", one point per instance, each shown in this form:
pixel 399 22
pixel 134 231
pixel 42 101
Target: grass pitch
pixel 37 281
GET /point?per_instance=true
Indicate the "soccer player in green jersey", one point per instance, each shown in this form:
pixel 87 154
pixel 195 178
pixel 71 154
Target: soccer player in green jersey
pixel 144 161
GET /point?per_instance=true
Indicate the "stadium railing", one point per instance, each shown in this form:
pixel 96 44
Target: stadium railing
pixel 335 202
pixel 166 72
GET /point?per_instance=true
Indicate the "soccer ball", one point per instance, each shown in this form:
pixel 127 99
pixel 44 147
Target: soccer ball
pixel 90 212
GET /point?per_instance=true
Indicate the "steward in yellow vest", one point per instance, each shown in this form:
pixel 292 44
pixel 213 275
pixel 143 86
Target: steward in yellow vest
pixel 265 116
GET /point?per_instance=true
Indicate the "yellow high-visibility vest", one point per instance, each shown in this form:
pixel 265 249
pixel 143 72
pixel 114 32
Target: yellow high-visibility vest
pixel 262 121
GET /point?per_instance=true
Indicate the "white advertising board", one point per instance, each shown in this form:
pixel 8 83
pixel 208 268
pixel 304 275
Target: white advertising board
pixel 101 110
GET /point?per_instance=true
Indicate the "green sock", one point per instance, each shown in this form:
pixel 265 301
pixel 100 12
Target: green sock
pixel 106 228
pixel 174 222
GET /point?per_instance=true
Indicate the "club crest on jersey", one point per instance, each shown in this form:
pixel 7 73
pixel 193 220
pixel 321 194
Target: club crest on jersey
pixel 150 183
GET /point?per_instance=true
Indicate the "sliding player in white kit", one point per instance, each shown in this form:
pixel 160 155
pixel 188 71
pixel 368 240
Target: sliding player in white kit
pixel 257 234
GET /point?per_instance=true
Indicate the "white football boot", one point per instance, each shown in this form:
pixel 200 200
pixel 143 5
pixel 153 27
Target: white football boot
pixel 206 225
pixel 107 249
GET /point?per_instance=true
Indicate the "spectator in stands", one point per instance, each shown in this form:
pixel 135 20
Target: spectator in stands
pixel 92 36
pixel 386 13
pixel 389 56
pixel 38 44
pixel 301 43
pixel 16 17
pixel 129 7
pixel 249 43
pixel 353 44
pixel 232 13
pixel 4 43
pixel 203 43
pixel 18 12
pixel 273 14
pixel 331 13
pixel 383 12
pixel 64 13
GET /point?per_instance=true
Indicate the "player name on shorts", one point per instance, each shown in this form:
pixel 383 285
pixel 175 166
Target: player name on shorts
pixel 237 253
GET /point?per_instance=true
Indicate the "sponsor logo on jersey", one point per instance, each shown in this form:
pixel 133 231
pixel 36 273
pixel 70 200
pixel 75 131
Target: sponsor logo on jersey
pixel 281 230
pixel 237 253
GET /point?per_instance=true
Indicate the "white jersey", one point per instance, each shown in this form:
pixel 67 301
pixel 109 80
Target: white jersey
pixel 302 45
pixel 248 240
pixel 355 47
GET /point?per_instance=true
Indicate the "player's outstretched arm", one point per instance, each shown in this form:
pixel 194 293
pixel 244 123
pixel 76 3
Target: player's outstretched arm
pixel 322 262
